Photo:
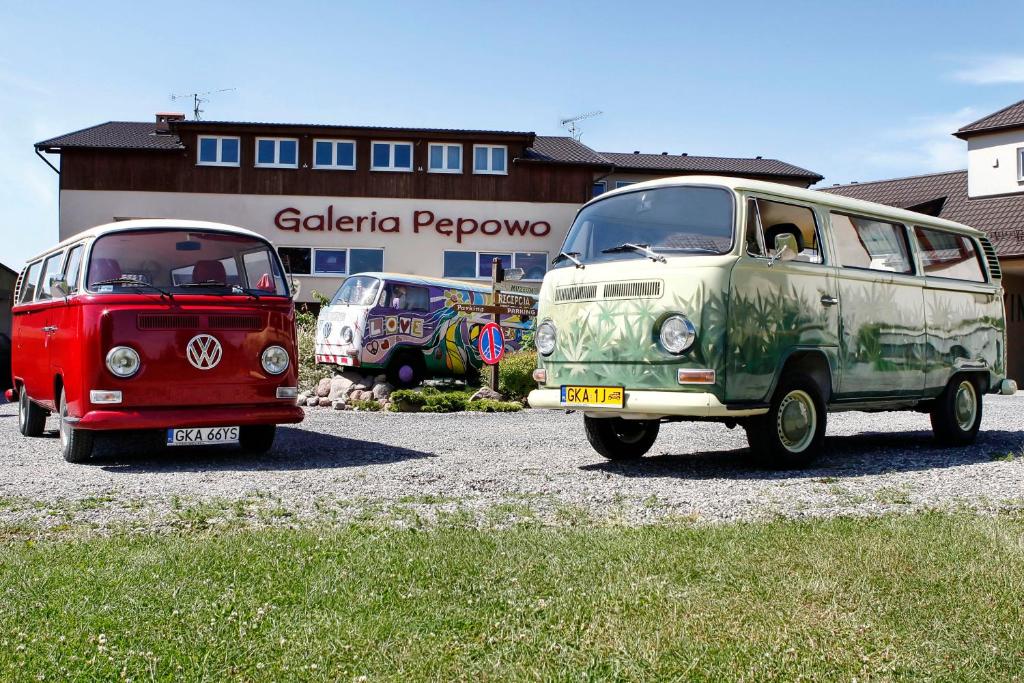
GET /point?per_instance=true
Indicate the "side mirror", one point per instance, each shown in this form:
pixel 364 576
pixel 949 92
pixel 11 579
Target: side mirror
pixel 785 247
pixel 59 288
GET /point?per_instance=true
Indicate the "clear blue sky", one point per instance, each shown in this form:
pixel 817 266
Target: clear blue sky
pixel 853 90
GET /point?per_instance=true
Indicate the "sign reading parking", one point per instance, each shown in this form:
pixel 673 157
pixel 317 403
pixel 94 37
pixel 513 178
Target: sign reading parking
pixel 491 344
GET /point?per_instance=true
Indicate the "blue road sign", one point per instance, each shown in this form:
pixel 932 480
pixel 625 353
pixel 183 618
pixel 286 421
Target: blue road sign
pixel 491 344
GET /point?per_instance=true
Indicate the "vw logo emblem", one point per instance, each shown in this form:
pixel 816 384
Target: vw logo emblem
pixel 204 351
pixel 327 328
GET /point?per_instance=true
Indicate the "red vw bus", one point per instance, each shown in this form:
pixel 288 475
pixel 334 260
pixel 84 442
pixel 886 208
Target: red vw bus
pixel 182 326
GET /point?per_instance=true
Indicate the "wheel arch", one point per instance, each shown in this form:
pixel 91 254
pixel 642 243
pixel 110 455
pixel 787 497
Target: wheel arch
pixel 813 362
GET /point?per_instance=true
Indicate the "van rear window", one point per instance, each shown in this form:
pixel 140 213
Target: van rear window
pixel 870 244
pixel 28 284
pixel 946 254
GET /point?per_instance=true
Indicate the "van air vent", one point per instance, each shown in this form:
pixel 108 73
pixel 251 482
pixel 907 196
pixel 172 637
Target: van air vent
pixel 235 322
pixel 993 261
pixel 168 322
pixel 641 289
pixel 576 293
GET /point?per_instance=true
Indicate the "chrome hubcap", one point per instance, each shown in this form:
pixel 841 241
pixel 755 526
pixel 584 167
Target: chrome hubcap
pixel 65 429
pixel 630 433
pixel 965 405
pixel 22 407
pixel 797 421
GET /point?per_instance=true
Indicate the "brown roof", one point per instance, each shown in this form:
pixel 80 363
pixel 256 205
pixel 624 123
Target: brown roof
pixel 684 163
pixel 1007 117
pixel 945 195
pixel 114 134
pixel 560 149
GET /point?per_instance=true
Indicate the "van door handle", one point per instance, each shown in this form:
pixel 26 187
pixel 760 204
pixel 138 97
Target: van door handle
pixel 50 329
pixel 827 300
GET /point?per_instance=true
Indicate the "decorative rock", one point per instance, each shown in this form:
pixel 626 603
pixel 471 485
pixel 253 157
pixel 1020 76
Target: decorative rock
pixel 338 404
pixel 325 402
pixel 302 398
pixel 485 394
pixel 382 391
pixel 312 401
pixel 324 387
pixel 364 383
pixel 339 387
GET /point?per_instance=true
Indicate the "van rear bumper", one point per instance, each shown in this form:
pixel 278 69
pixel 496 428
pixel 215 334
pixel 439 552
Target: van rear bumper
pixel 650 404
pixel 206 416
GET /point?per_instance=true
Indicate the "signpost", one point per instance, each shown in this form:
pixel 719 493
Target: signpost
pixel 491 345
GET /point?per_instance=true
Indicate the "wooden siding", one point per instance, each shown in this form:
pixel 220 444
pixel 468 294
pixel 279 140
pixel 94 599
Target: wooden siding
pixel 177 171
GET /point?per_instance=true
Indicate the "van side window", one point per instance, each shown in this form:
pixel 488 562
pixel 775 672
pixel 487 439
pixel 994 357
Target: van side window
pixel 870 244
pixel 51 271
pixel 776 218
pixel 945 254
pixel 28 285
pixel 73 268
pixel 407 297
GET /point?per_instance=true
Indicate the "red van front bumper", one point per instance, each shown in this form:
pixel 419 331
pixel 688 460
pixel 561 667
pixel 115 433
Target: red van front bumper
pixel 207 416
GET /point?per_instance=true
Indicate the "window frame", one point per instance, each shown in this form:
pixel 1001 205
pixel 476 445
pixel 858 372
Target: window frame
pixel 285 266
pixel 444 157
pixel 619 184
pixel 594 184
pixel 979 256
pixel 220 150
pixel 824 255
pixel 391 156
pixel 312 259
pixel 335 166
pixel 20 294
pixel 490 159
pixel 277 153
pixel 1020 164
pixel 902 229
pixel 73 287
pixel 496 252
pixel 59 272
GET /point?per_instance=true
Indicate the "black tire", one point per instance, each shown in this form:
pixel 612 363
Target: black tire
pixel 31 418
pixel 790 434
pixel 75 444
pixel 956 413
pixel 405 370
pixel 259 439
pixel 618 439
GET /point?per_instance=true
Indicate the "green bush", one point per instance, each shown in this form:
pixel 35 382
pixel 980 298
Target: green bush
pixel 371 405
pixel 515 374
pixel 489 406
pixel 430 400
pixel 310 373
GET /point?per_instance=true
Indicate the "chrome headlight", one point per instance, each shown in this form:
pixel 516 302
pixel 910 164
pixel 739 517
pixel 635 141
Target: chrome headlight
pixel 346 335
pixel 545 337
pixel 275 360
pixel 123 361
pixel 677 334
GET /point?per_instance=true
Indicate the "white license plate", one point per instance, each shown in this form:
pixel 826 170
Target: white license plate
pixel 205 436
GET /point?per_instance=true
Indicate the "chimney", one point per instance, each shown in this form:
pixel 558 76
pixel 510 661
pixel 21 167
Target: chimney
pixel 664 154
pixel 164 118
pixel 636 151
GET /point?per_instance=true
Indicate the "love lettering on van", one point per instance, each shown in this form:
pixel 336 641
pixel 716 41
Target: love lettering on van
pixel 293 220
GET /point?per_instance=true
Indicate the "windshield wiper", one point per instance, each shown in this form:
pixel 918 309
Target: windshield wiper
pixel 644 249
pixel 568 256
pixel 126 281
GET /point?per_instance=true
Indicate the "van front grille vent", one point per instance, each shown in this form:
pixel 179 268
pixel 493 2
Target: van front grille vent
pixel 576 293
pixel 993 261
pixel 641 289
pixel 168 322
pixel 235 322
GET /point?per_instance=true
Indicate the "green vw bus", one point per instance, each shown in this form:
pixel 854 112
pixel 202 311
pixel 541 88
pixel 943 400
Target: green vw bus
pixel 765 306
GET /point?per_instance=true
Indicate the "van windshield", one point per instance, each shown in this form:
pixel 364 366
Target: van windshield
pixel 670 221
pixel 184 262
pixel 360 290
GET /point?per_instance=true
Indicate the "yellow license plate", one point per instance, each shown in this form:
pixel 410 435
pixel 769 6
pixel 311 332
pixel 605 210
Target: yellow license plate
pixel 602 397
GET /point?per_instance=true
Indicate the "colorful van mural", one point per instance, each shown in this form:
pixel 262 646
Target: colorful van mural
pixel 408 327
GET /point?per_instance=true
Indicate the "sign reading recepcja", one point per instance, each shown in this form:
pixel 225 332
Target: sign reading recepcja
pixel 293 220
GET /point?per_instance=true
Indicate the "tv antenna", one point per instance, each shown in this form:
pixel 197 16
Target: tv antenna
pixel 198 98
pixel 570 123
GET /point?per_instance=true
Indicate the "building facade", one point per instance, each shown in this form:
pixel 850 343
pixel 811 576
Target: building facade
pixel 989 196
pixel 337 200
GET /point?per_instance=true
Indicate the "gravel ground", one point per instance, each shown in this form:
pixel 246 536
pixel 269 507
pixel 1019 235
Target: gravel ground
pixel 488 469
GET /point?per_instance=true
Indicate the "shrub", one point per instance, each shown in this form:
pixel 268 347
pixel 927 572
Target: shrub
pixel 310 373
pixel 515 374
pixel 371 405
pixel 488 406
pixel 430 400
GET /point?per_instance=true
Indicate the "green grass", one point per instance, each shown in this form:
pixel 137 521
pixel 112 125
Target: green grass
pixel 925 596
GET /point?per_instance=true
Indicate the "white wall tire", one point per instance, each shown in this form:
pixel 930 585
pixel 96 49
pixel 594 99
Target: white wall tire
pixel 75 444
pixel 956 414
pixel 791 434
pixel 31 418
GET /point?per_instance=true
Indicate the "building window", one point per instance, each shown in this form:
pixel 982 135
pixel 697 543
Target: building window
pixel 391 156
pixel 490 159
pixel 334 154
pixel 476 265
pixel 331 262
pixel 624 183
pixel 277 153
pixel 1020 164
pixel 217 151
pixel 445 158
pixel 600 187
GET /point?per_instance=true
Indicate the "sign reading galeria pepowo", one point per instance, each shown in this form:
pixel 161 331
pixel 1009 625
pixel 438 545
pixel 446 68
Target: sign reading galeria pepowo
pixel 292 219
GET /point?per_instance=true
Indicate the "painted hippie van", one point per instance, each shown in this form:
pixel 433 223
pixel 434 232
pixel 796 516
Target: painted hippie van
pixel 765 306
pixel 407 327
pixel 182 326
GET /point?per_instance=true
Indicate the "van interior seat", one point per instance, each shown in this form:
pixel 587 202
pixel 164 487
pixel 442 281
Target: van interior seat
pixel 209 271
pixel 781 228
pixel 104 269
